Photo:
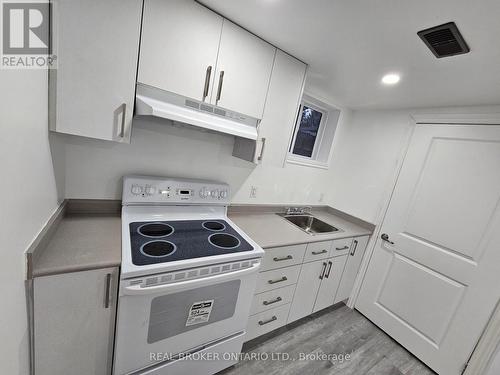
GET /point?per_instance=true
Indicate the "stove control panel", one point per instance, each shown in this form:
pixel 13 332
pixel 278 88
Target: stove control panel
pixel 158 190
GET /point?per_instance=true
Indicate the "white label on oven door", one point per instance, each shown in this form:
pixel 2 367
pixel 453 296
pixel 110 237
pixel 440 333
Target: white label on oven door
pixel 199 312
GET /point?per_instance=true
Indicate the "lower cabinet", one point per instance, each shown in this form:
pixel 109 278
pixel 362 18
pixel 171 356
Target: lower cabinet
pixel 329 283
pixel 74 322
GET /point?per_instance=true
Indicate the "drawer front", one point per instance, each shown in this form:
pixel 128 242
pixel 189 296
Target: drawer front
pixel 272 299
pixel 266 321
pixel 341 247
pixel 285 256
pixel 279 278
pixel 317 251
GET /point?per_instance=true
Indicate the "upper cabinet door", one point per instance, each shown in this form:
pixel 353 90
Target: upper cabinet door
pixel 92 90
pixel 179 45
pixel 244 68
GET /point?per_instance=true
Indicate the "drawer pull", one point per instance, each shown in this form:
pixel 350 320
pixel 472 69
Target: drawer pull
pixel 262 322
pixel 342 248
pixel 319 252
pixel 288 257
pixel 284 278
pixel 278 299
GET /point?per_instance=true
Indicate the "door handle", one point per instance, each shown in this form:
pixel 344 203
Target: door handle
pixel 385 237
pixel 354 247
pixel 284 278
pixel 329 269
pixel 323 271
pixel 277 299
pixel 262 322
pixel 319 252
pixel 207 82
pixel 288 257
pixel 219 89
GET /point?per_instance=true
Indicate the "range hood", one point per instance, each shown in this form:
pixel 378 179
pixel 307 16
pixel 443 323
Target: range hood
pixel 151 101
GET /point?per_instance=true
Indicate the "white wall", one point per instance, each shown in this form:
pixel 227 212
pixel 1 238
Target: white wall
pixel 494 367
pixel 27 199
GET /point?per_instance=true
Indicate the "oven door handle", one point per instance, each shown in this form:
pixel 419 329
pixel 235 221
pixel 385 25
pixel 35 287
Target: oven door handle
pixel 188 284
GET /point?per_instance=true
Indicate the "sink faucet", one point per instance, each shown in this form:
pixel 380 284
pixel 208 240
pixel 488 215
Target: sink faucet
pixel 298 210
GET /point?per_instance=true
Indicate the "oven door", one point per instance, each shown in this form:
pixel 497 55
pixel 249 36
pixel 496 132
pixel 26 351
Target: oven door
pixel 157 322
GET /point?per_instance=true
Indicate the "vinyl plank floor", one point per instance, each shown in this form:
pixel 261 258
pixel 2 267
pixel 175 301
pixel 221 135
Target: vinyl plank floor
pixel 318 345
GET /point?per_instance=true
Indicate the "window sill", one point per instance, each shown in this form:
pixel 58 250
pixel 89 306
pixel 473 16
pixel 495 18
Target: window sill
pixel 307 162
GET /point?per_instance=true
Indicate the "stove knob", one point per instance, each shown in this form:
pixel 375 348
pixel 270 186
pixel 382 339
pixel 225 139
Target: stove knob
pixel 223 194
pixel 150 190
pixel 215 193
pixel 136 189
pixel 204 193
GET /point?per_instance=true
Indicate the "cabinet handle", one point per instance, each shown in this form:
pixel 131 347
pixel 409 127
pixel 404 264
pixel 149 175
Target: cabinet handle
pixel 219 89
pixel 107 293
pixel 207 82
pixel 319 252
pixel 342 248
pixel 262 322
pixel 262 149
pixel 323 271
pixel 124 114
pixel 284 278
pixel 329 269
pixel 288 257
pixel 278 299
pixel 354 247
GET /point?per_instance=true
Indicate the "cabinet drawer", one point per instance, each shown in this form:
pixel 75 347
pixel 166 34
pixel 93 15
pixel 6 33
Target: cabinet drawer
pixel 317 250
pixel 285 256
pixel 272 299
pixel 266 321
pixel 279 278
pixel 341 247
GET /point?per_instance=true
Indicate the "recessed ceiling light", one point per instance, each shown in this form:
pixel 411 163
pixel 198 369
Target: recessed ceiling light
pixel 390 79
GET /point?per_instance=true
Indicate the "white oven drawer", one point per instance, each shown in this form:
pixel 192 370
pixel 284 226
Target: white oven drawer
pixel 279 278
pixel 266 321
pixel 285 256
pixel 341 247
pixel 317 251
pixel 272 299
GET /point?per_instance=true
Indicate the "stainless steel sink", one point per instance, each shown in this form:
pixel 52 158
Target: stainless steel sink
pixel 309 224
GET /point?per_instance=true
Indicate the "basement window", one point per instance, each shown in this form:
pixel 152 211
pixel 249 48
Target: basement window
pixel 313 134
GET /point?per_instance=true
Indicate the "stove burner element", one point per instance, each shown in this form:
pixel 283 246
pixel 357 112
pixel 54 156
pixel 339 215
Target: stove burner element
pixel 213 225
pixel 155 230
pixel 158 249
pixel 224 240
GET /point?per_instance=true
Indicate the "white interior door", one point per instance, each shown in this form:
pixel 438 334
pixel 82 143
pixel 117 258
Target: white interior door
pixel 434 286
pixel 179 45
pixel 244 67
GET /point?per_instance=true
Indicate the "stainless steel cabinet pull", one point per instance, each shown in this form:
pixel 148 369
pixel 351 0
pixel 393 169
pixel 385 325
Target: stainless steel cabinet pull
pixel 124 114
pixel 262 322
pixel 288 257
pixel 108 292
pixel 329 269
pixel 354 247
pixel 207 82
pixel 219 89
pixel 284 278
pixel 342 248
pixel 262 149
pixel 323 271
pixel 319 252
pixel 385 237
pixel 277 299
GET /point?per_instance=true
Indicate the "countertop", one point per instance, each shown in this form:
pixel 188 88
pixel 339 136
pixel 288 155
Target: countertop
pixel 271 230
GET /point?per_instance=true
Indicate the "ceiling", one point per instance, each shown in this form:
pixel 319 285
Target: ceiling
pixel 350 44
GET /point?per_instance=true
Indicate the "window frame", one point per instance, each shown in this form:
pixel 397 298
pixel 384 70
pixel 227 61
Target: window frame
pixel 309 160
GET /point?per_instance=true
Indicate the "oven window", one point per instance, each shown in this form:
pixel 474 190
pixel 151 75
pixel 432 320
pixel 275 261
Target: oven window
pixel 173 314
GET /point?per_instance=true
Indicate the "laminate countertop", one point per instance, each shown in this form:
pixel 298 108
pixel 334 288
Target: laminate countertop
pixel 271 230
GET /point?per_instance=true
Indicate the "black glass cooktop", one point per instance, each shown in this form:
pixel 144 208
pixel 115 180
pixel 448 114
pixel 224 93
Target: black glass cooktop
pixel 168 241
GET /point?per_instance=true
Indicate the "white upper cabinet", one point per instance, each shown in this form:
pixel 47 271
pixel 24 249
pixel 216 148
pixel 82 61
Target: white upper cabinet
pixel 243 73
pixel 189 50
pixel 92 90
pixel 179 45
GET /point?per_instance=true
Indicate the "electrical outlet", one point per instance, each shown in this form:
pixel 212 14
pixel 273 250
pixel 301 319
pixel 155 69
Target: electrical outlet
pixel 253 192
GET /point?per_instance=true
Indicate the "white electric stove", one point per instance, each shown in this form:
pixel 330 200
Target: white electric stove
pixel 187 279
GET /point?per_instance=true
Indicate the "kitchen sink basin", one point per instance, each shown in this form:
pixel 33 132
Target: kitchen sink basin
pixel 309 224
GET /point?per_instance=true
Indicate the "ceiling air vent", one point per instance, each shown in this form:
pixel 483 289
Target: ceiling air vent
pixel 444 40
